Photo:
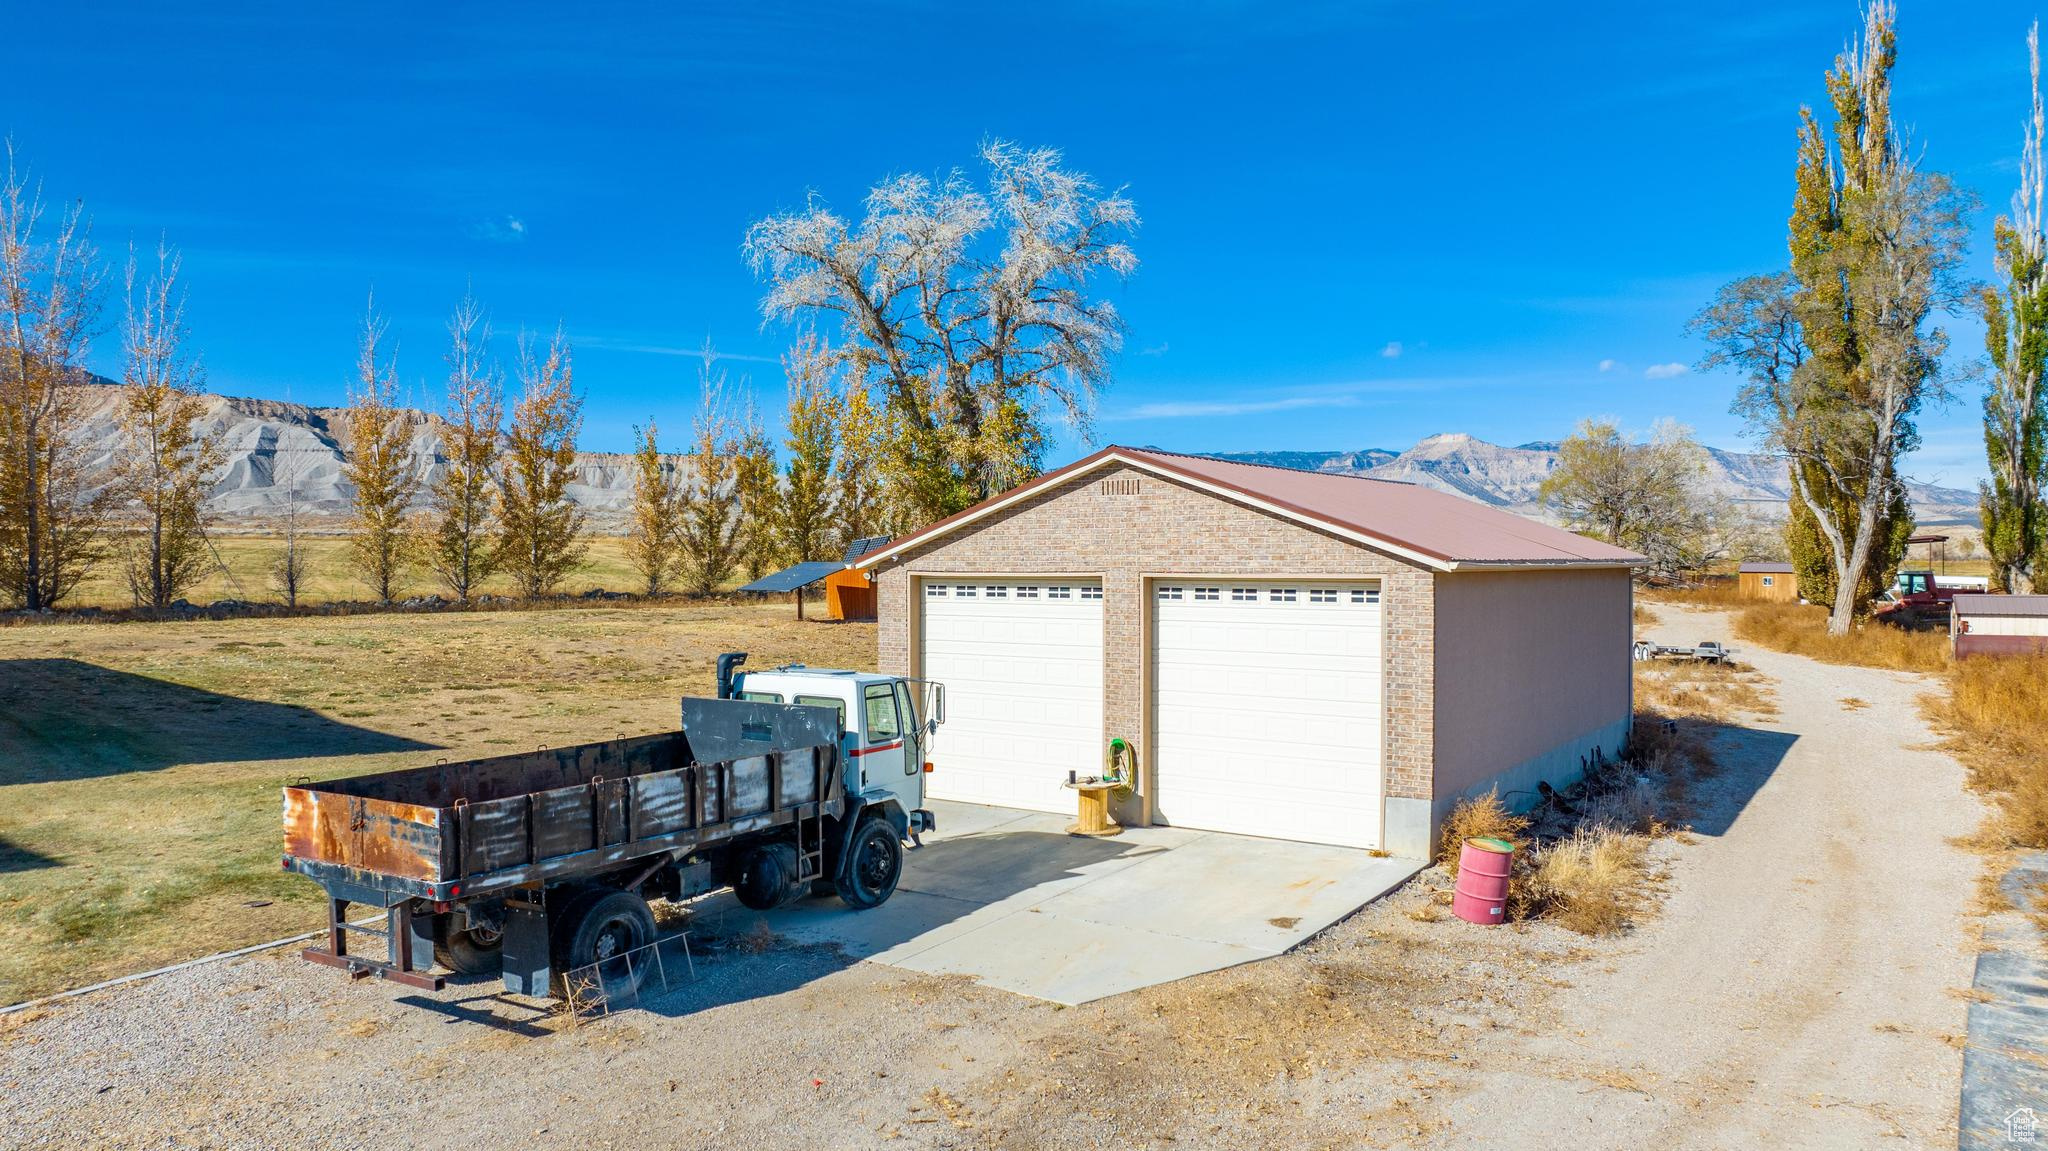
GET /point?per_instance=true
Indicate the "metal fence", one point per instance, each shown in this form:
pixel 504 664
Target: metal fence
pixel 625 980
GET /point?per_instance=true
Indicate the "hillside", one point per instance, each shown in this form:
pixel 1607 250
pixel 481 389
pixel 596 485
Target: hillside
pixel 275 447
pixel 1508 477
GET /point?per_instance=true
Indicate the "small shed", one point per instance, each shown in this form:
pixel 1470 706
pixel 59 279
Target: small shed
pixel 1999 624
pixel 1768 581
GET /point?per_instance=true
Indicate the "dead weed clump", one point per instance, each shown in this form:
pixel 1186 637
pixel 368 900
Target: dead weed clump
pixel 1479 817
pixel 1701 690
pixel 1593 881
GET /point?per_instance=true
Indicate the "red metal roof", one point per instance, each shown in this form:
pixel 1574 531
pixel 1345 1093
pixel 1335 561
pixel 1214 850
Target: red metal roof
pixel 1440 529
pixel 1988 604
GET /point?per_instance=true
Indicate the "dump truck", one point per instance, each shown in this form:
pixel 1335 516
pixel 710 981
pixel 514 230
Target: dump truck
pixel 788 782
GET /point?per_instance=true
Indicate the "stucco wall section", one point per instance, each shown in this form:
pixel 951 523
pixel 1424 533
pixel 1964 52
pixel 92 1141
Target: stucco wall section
pixel 1528 665
pixel 1164 528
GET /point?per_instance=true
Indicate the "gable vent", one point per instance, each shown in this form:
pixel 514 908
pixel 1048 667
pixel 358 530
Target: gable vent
pixel 1119 486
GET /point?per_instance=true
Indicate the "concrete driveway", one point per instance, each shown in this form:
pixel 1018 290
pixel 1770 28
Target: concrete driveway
pixel 1009 898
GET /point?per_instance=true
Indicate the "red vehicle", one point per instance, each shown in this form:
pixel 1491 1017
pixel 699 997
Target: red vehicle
pixel 1917 597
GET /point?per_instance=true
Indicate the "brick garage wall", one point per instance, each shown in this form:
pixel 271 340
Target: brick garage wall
pixel 1123 525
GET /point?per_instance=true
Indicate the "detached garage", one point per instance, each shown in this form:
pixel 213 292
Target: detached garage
pixel 1294 655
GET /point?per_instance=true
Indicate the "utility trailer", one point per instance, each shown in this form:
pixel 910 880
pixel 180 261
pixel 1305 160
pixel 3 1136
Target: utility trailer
pixel 1706 651
pixel 534 865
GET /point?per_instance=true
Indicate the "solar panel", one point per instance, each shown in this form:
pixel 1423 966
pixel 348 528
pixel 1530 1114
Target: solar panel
pixel 861 547
pixel 792 578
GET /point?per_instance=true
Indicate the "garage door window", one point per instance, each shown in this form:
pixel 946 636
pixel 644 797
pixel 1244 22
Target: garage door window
pixel 1281 595
pixel 879 701
pixel 1092 591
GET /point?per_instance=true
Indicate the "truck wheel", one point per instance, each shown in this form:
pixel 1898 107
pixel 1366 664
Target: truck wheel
pixel 873 865
pixel 476 951
pixel 606 929
pixel 767 877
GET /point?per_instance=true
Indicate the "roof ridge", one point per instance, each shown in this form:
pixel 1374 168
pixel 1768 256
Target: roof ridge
pixel 1257 464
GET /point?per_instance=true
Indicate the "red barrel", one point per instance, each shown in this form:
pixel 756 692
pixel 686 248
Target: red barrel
pixel 1482 892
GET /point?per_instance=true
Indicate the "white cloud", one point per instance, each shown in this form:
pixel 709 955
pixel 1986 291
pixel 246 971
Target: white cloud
pixel 1155 350
pixel 1392 351
pixel 615 344
pixel 503 230
pixel 1609 365
pixel 1663 371
pixel 1188 409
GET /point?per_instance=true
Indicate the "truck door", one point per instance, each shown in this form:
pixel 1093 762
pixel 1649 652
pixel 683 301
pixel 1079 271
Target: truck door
pixel 889 754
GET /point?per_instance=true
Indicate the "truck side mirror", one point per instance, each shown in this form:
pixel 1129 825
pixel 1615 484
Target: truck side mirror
pixel 938 705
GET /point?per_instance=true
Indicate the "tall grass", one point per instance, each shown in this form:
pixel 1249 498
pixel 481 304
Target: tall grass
pixel 1997 708
pixel 1802 629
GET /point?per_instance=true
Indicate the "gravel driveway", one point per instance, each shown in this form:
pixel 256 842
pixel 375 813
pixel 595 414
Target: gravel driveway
pixel 1799 989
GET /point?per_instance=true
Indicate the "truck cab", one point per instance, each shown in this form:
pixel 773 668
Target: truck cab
pixel 1916 596
pixel 886 730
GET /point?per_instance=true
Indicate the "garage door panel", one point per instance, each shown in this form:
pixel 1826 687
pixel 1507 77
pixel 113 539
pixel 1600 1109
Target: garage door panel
pixel 1023 677
pixel 1267 700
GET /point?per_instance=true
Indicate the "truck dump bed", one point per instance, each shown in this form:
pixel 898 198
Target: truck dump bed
pixel 454 830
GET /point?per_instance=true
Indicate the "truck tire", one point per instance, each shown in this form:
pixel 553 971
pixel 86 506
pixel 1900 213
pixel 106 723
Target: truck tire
pixel 767 877
pixel 873 865
pixel 477 951
pixel 604 929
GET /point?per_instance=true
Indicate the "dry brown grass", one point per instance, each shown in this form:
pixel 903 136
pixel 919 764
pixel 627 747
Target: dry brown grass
pixel 1594 881
pixel 1997 712
pixel 1643 616
pixel 140 763
pixel 1480 817
pixel 1802 630
pixel 1720 692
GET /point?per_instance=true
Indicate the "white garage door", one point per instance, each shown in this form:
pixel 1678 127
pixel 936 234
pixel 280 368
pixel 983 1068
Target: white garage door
pixel 1266 708
pixel 1021 660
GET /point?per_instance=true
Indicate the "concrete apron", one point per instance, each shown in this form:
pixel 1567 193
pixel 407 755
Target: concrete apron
pixel 1007 897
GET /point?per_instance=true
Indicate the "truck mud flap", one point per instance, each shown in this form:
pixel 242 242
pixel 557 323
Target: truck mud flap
pixel 526 955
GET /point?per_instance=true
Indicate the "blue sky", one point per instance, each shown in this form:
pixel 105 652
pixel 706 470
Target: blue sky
pixel 1362 223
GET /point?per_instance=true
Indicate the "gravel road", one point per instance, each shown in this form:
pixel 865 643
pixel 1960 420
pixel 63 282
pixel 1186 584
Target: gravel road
pixel 1802 987
pixel 1799 989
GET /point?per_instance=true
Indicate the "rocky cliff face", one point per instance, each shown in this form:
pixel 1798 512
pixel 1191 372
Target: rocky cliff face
pixel 276 451
pixel 1509 477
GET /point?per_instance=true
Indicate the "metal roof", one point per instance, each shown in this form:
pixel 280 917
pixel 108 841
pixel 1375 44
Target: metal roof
pixel 863 546
pixel 792 578
pixel 1768 568
pixel 1976 603
pixel 1426 526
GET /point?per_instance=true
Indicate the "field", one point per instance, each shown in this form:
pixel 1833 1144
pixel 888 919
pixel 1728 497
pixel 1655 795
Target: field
pixel 246 562
pixel 140 763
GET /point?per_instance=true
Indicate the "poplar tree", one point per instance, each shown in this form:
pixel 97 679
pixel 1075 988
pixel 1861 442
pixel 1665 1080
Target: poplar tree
pixel 654 525
pixel 378 467
pixel 465 497
pixel 2015 314
pixel 804 522
pixel 708 538
pixel 542 540
pixel 1875 244
pixel 167 456
pixel 757 490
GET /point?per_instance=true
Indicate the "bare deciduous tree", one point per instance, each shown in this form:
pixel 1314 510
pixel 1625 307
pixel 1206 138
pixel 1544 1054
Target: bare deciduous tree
pixel 289 565
pixel 1650 495
pixel 464 498
pixel 542 540
pixel 378 467
pixel 51 525
pixel 167 455
pixel 968 309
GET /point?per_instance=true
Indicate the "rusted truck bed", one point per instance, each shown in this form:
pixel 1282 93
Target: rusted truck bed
pixel 458 830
